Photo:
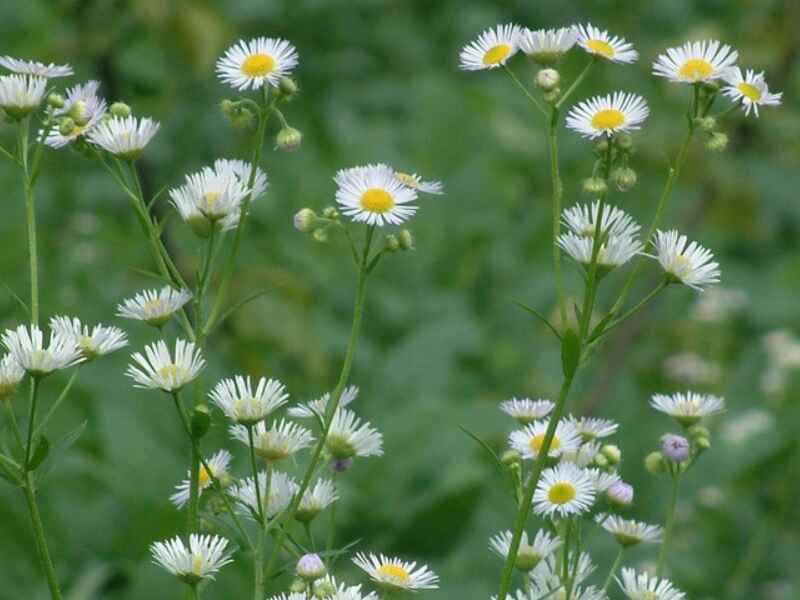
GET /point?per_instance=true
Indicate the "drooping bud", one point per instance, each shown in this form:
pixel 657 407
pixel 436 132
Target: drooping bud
pixel 621 494
pixel 612 453
pixel 56 101
pixel 601 147
pixel 391 243
pixel 624 178
pixel 624 141
pixel 406 239
pixel 120 109
pixel 320 235
pixel 654 463
pixel 510 457
pixel 330 212
pixel 717 142
pixel 675 447
pixel 702 444
pixel 310 567
pixel 595 186
pixel 698 431
pixel 547 80
pixel 287 87
pixel 289 139
pixel 228 107
pixel 305 220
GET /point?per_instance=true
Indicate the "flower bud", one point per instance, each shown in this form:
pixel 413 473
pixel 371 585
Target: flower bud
pixel 702 444
pixel 624 178
pixel 675 447
pixel 200 225
pixel 717 142
pixel 552 96
pixel 324 589
pixel 391 243
pixel 305 220
pixel 79 113
pixel 612 453
pixel 708 124
pixel 340 465
pixel 698 431
pixel 654 463
pixel 406 239
pixel 289 139
pixel 600 460
pixel 547 80
pixel 595 186
pixel 621 494
pixel 330 212
pixel 120 109
pixel 287 87
pixel 624 141
pixel 66 126
pixel 527 559
pixel 56 101
pixel 601 147
pixel 510 457
pixel 298 586
pixel 228 107
pixel 310 567
pixel 320 235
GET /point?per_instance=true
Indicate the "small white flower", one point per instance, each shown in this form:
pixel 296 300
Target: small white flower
pixel 614 252
pixel 583 456
pixel 342 591
pixel 94 342
pixel 592 427
pixel 82 98
pixel 213 194
pixel 686 262
pixel 157 370
pixel 641 586
pixel 290 596
pixel 348 436
pixel 242 170
pixel 547 46
pixel 525 410
pixel 492 48
pixel 37 69
pixel 601 480
pixel 528 442
pixel 315 500
pixel 529 554
pixel 280 441
pixel 546 577
pixel 688 408
pixel 282 489
pixel 607 115
pixel 372 194
pixel 10 376
pixel 582 220
pixel 751 89
pixel 563 490
pixel 316 408
pixel 124 137
pixel 415 182
pixel 628 532
pixel 695 62
pixel 21 94
pixel 27 347
pixel 236 398
pixel 600 43
pixel 257 62
pixel 201 560
pixel 397 574
pixel 218 465
pixel 154 306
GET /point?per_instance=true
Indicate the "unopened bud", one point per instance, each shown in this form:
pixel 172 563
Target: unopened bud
pixel 654 463
pixel 120 109
pixel 67 126
pixel 601 146
pixel 624 178
pixel 324 589
pixel 289 139
pixel 698 431
pixel 620 493
pixel 330 212
pixel 79 113
pixel 706 123
pixel 228 107
pixel 552 96
pixel 406 239
pixel 612 453
pixel 310 567
pixel 675 447
pixel 510 457
pixel 547 80
pixel 305 220
pixel 717 142
pixel 242 118
pixel 287 87
pixel 624 141
pixel 56 101
pixel 391 243
pixel 600 460
pixel 595 186
pixel 702 444
pixel 320 235
pixel 298 586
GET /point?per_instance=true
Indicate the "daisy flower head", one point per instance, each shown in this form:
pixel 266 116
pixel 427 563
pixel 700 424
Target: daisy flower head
pixel 530 553
pixel 628 532
pixel 282 489
pixel 242 170
pixel 83 109
pixel 750 89
pixel 529 441
pixel 280 441
pixel 602 480
pixel 492 48
pixel 349 436
pixel 209 196
pixel 316 408
pixel 600 43
pixel 157 370
pixel 202 559
pixel 547 46
pixel 10 376
pixel 592 428
pixel 685 262
pixel 415 182
pixel 614 252
pixel 218 469
pixel 26 346
pixel 34 68
pixel 688 408
pixel 546 577
pixel 695 62
pixel 563 490
pixel 94 342
pixel 315 500
pixel 525 410
pixel 255 63
pixel 373 195
pixel 21 94
pixel 641 586
pixel 241 404
pixel 582 220
pixel 396 574
pixel 154 307
pixel 608 115
pixel 584 455
pixel 124 137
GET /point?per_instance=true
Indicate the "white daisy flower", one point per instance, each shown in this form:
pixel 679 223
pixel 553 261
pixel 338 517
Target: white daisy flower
pixel 492 48
pixel 241 170
pixel 290 596
pixel 601 480
pixel 342 591
pixel 37 69
pixel 155 307
pixel 415 182
pixel 10 376
pixel 218 465
pixel 373 195
pixel 547 46
pixel 258 62
pixel 158 371
pixel 563 490
pixel 316 408
pixel 751 89
pixel 396 574
pixel 282 489
pixel 528 442
pixel 592 427
pixel 315 500
pixel 628 532
pixel 607 115
pixel 82 99
pixel 525 410
pixel 201 560
pixel 280 441
pixel 582 220
pixel 124 137
pixel 695 62
pixel 21 94
pixel 688 408
pixel 94 342
pixel 583 456
pixel 614 252
pixel 236 398
pixel 600 43
pixel 529 554
pixel 211 195
pixel 348 436
pixel 686 262
pixel 641 586
pixel 546 577
pixel 26 346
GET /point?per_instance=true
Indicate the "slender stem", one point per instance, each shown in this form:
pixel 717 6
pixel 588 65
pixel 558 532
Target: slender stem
pixel 14 425
pixel 331 530
pixel 565 573
pixel 259 573
pixel 558 192
pixel 41 540
pixel 194 593
pixel 668 524
pixel 525 91
pixel 643 302
pixel 61 397
pixel 30 216
pixel 614 568
pixel 578 80
pixel 254 469
pixel 31 420
pixel 193 516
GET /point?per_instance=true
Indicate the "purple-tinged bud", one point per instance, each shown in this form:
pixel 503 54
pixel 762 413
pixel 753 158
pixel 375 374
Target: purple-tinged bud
pixel 675 447
pixel 310 567
pixel 621 493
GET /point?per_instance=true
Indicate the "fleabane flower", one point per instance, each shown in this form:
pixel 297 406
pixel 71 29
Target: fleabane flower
pixel 600 43
pixel 315 500
pixel 607 115
pixel 695 62
pixel 602 480
pixel 373 195
pixel 10 376
pixel 243 405
pixel 529 441
pixel 157 370
pixel 750 89
pixel 26 345
pixel 415 182
pixel 124 137
pixel 241 170
pixel 83 108
pixel 592 428
pixel 614 251
pixel 685 262
pixel 525 410
pixel 530 553
pixel 94 342
pixel 257 62
pixel 396 574
pixel 584 455
pixel 280 441
pixel 563 490
pixel 218 466
pixel 35 68
pixel 349 436
pixel 317 407
pixel 282 488
pixel 628 532
pixel 582 220
pixel 547 46
pixel 155 307
pixel 546 577
pixel 202 559
pixel 492 48
pixel 21 94
pixel 688 408
pixel 641 586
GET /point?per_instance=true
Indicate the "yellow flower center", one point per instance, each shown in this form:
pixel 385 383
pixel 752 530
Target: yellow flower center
pixel 681 265
pixel 610 118
pixel 211 200
pixel 258 65
pixel 197 564
pixel 393 572
pixel 600 47
pixel 204 477
pixel 561 492
pixel 153 305
pixel 496 54
pixel 537 441
pixel 749 90
pixel 377 200
pixel 169 371
pixel 407 179
pixel 696 68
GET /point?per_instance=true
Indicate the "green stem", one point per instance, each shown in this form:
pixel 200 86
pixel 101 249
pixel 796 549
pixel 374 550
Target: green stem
pixel 30 216
pixel 331 530
pixel 576 83
pixel 613 570
pixel 14 425
pixel 668 524
pixel 31 420
pixel 259 573
pixel 558 192
pixel 193 517
pixel 58 401
pixel 254 468
pixel 525 91
pixel 41 540
pixel 194 593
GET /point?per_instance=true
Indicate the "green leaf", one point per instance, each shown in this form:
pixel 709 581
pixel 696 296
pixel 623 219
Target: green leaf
pixel 201 421
pixel 40 453
pixel 539 316
pixel 152 275
pixel 61 447
pixel 484 445
pixel 239 305
pixel 600 329
pixel 570 353
pixel 10 470
pixel 19 300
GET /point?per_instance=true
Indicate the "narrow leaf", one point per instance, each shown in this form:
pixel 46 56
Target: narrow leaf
pixel 40 453
pixel 539 316
pixel 483 444
pixel 570 352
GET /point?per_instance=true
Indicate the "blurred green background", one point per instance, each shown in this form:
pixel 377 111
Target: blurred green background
pixel 443 341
